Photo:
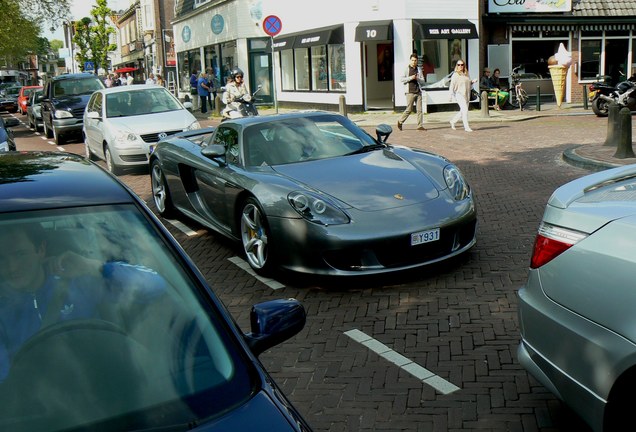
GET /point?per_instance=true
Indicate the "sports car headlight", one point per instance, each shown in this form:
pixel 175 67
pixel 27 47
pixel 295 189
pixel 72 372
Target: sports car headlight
pixel 317 209
pixel 457 186
pixel 60 114
pixel 4 146
pixel 194 126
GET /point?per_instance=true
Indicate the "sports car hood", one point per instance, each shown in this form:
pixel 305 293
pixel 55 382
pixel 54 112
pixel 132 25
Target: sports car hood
pixel 156 122
pixel 373 181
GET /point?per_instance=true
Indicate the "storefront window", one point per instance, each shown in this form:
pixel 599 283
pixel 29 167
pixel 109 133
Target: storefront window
pixel 337 68
pixel 319 68
pixel 301 67
pixel 228 53
pixel 287 69
pixel 189 61
pixel 532 57
pixel 590 59
pixel 212 62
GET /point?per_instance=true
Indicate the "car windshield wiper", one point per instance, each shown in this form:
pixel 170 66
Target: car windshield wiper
pixel 367 148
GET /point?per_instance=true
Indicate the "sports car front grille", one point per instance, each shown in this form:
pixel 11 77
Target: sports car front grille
pixel 399 253
pixel 154 137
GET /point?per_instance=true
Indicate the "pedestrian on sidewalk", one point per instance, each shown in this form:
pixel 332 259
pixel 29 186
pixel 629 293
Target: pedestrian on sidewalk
pixel 412 78
pixel 460 87
pixel 204 91
pixel 194 92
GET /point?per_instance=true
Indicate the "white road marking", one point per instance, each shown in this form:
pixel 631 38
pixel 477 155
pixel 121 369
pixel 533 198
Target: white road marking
pixel 182 227
pixel 272 283
pixel 419 372
pixel 61 148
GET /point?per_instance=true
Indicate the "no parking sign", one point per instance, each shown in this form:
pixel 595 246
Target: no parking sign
pixel 272 25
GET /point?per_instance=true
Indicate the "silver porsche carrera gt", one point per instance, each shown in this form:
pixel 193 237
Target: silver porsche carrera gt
pixel 313 193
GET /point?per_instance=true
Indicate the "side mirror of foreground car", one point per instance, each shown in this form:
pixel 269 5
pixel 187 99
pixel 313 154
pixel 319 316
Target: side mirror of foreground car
pixel 273 322
pixel 382 132
pixel 11 122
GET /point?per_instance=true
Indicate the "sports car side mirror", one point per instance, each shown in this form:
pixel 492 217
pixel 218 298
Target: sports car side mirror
pixel 273 322
pixel 382 132
pixel 213 151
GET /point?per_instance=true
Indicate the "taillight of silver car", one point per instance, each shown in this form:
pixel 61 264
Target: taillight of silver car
pixel 551 242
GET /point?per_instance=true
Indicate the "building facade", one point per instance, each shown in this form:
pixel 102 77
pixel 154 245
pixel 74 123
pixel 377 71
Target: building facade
pixel 598 34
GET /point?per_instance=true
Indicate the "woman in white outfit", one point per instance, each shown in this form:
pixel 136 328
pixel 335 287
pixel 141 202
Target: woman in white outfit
pixel 460 87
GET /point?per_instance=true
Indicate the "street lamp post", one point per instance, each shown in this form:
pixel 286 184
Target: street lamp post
pixel 68 40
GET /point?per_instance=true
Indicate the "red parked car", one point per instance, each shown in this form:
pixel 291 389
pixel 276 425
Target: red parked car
pixel 23 97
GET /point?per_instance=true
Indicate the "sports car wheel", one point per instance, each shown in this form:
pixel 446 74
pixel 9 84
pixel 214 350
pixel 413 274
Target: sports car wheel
pixel 160 192
pixel 254 236
pixel 110 164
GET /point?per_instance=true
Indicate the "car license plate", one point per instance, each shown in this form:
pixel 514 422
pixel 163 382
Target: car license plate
pixel 424 237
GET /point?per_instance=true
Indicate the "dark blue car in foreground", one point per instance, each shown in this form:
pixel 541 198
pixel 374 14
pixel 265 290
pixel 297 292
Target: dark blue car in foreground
pixel 106 324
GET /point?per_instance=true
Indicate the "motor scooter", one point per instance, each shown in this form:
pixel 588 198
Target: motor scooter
pixel 241 107
pixel 601 94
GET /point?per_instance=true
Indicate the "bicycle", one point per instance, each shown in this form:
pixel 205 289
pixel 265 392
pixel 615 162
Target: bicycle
pixel 518 96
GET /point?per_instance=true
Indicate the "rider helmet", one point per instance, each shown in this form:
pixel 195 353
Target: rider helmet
pixel 235 72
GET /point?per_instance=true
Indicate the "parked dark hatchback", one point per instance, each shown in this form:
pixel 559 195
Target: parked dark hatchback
pixel 127 335
pixel 63 103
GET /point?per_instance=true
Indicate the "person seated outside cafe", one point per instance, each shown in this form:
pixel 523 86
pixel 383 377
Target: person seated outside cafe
pixel 492 85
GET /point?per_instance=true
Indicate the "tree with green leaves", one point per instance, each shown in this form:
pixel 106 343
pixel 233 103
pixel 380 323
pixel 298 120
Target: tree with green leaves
pixel 14 22
pixel 92 37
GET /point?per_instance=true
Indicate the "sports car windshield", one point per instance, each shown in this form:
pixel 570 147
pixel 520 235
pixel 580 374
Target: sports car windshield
pixel 303 138
pixel 102 327
pixel 140 102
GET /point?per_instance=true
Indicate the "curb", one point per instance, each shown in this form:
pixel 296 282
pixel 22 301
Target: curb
pixel 573 158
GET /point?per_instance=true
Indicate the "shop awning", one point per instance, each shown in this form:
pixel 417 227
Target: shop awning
pixel 319 36
pixel 374 31
pixel 284 42
pixel 444 29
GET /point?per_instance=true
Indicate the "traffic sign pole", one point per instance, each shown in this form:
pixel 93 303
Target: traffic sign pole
pixel 272 25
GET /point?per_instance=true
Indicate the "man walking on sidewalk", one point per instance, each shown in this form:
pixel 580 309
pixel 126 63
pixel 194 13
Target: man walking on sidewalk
pixel 412 78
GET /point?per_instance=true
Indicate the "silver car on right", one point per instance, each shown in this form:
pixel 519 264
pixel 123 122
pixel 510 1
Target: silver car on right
pixel 577 311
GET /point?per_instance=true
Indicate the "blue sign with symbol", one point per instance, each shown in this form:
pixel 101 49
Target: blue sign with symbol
pixel 272 25
pixel 186 33
pixel 217 24
pixel 89 66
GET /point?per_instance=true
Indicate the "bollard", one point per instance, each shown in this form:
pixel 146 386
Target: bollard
pixel 484 104
pixel 217 106
pixel 343 106
pixel 612 125
pixel 624 149
pixel 538 105
pixel 585 97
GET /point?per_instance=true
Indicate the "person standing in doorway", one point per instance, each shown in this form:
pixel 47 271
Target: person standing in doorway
pixel 204 91
pixel 412 78
pixel 211 87
pixel 460 87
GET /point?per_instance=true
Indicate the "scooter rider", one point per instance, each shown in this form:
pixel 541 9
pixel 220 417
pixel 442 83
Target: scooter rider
pixel 235 92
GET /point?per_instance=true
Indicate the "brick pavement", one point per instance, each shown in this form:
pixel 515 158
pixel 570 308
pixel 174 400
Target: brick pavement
pixel 457 320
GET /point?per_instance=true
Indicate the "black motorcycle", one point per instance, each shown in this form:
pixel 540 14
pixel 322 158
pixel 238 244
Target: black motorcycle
pixel 601 93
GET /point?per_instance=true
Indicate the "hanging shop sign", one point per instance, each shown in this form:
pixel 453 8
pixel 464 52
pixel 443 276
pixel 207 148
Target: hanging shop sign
pixel 529 6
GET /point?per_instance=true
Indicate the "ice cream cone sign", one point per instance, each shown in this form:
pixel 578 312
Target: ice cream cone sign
pixel 559 72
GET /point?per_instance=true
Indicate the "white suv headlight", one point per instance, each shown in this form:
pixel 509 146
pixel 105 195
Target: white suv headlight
pixel 126 139
pixel 4 146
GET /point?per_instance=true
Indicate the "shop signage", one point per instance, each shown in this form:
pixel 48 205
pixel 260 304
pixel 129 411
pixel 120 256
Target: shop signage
pixel 529 6
pixel 186 34
pixel 217 23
